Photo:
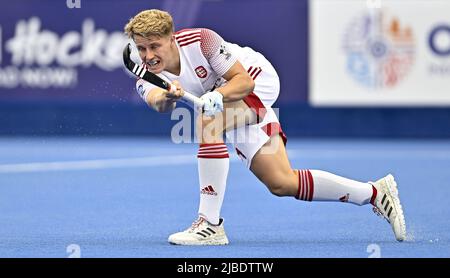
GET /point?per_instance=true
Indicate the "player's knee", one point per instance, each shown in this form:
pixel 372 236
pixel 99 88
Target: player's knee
pixel 278 186
pixel 204 121
pixel 281 184
pixel 211 126
pixel 277 190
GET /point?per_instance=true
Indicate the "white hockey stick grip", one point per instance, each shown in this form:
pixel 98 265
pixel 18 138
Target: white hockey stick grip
pixel 195 100
pixel 189 97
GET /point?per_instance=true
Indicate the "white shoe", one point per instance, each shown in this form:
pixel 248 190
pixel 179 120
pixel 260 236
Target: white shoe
pixel 201 233
pixel 387 205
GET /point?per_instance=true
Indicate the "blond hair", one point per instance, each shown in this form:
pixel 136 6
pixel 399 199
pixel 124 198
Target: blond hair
pixel 150 23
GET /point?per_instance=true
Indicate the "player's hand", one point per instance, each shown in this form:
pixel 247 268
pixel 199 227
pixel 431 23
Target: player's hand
pixel 213 103
pixel 174 96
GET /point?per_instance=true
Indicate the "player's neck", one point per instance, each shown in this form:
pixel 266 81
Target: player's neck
pixel 175 66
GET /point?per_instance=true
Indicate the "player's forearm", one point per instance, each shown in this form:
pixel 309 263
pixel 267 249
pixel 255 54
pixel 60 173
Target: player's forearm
pixel 237 88
pixel 160 102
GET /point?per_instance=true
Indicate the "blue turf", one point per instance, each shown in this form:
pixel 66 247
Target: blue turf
pixel 129 211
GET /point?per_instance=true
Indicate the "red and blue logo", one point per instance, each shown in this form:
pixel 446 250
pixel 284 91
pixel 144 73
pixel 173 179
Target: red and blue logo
pixel 201 71
pixel 379 49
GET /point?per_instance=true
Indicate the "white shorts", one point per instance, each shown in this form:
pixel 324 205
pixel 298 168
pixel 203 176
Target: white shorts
pixel 247 140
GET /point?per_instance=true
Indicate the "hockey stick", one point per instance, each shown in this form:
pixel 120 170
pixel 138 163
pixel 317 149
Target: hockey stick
pixel 142 72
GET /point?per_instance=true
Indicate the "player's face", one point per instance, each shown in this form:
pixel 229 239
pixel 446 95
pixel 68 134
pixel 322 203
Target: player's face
pixel 155 51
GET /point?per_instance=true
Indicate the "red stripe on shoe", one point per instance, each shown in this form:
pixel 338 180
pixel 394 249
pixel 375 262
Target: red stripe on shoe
pixel 374 195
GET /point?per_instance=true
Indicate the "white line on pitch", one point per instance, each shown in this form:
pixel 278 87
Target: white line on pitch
pixel 167 160
pixel 98 164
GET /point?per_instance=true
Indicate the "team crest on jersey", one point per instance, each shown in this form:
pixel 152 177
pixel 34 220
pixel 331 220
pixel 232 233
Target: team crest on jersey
pixel 201 71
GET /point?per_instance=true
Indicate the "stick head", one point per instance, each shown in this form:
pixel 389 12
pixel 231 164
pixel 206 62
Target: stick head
pixel 127 59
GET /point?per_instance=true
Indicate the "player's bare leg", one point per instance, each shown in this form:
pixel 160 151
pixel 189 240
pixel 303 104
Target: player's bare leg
pixel 213 164
pixel 271 165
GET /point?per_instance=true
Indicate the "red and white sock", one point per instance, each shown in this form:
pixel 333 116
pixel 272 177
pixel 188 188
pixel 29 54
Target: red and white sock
pixel 213 165
pixel 316 185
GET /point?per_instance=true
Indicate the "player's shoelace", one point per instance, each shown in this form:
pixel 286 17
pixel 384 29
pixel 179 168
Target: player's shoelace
pixel 196 224
pixel 205 232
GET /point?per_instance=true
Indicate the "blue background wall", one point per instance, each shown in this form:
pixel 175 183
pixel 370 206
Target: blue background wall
pixel 104 102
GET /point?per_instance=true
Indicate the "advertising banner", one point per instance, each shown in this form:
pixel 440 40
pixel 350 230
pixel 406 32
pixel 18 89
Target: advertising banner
pixel 379 53
pixel 71 50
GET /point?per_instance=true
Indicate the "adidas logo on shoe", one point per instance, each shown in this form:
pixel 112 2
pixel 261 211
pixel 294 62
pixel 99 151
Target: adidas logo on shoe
pixel 209 190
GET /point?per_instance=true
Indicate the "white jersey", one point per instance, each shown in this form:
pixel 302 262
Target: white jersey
pixel 204 58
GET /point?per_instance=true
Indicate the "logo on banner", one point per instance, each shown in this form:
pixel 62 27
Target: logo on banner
pixel 380 49
pixel 439 44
